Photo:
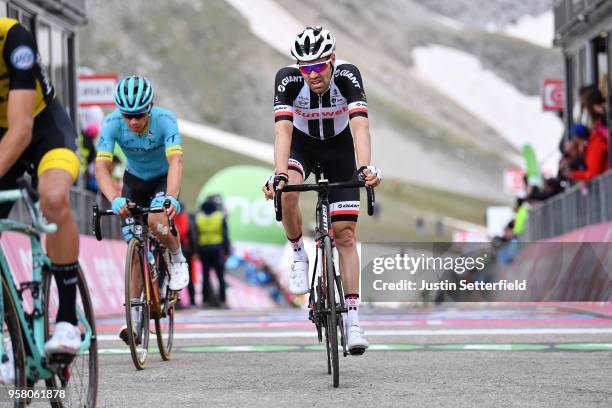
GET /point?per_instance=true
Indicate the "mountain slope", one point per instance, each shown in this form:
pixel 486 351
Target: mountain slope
pixel 204 62
pixel 208 66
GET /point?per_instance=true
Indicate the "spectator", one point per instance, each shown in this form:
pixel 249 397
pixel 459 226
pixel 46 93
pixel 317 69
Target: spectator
pixel 87 148
pixel 90 123
pixel 586 94
pixel 90 115
pixel 565 136
pixel 212 247
pixel 595 149
pixel 521 216
pixel 551 188
pixel 185 225
pixel 579 131
pixel 509 245
pixel 572 157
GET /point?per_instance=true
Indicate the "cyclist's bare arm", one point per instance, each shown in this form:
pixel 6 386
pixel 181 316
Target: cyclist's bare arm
pixel 20 115
pixel 105 180
pixel 283 131
pixel 175 175
pixel 360 126
pixel 174 178
pixel 282 145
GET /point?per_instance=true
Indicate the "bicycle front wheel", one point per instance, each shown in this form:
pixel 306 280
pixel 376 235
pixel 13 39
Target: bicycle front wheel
pixel 332 318
pixel 79 377
pixel 137 305
pixel 164 324
pixel 14 351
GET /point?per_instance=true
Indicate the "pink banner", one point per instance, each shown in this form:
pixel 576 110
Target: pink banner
pixel 239 294
pixel 593 233
pixel 569 271
pixel 103 265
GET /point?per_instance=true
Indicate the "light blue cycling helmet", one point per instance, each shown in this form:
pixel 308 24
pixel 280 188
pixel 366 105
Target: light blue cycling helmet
pixel 133 94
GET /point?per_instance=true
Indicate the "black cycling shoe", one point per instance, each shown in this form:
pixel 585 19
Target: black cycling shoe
pixel 123 335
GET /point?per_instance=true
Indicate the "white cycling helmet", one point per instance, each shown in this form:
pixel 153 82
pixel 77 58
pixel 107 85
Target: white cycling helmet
pixel 313 43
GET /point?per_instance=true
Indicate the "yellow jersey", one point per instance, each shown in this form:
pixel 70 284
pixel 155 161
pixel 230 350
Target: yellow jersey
pixel 21 67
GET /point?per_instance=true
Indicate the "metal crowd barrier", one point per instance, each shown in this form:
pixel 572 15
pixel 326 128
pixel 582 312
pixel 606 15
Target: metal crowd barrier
pixel 81 201
pixel 577 207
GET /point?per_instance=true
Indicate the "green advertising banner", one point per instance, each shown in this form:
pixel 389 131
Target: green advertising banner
pixel 250 216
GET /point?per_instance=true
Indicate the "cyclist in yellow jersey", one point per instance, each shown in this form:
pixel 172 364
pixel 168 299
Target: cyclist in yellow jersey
pixel 36 136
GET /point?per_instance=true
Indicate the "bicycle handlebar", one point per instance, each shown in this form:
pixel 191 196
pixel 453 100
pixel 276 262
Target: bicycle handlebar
pixel 278 209
pixel 134 210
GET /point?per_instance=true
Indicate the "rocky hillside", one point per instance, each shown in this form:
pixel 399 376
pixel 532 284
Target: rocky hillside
pixel 209 67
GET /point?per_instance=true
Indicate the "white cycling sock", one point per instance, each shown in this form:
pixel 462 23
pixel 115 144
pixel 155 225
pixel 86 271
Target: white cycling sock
pixel 299 253
pixel 135 317
pixel 352 304
pixel 177 256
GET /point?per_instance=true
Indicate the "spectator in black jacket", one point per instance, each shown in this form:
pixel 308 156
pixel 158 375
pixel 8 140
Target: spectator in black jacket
pixel 213 247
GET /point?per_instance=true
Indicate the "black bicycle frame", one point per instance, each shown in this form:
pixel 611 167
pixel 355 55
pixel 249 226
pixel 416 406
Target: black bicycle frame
pixel 323 187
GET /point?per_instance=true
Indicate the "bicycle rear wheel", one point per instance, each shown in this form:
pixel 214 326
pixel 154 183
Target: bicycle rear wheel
pixel 164 325
pixel 80 376
pixel 13 343
pixel 332 319
pixel 137 307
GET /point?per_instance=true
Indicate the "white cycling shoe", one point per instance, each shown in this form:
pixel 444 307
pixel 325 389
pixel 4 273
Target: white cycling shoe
pixel 298 278
pixel 66 339
pixel 356 341
pixel 7 369
pixel 179 275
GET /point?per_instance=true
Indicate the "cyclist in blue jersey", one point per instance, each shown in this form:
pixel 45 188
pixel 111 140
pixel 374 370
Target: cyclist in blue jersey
pixel 151 142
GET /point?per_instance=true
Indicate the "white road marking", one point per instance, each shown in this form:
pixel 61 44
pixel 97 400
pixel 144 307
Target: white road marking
pixel 380 333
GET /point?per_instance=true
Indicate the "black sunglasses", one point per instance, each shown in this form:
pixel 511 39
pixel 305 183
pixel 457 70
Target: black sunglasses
pixel 138 115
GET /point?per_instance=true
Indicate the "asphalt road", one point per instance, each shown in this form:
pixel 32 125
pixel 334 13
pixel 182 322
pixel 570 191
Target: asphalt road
pixel 459 357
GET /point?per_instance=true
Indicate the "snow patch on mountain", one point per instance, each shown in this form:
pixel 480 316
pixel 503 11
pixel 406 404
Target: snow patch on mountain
pixel 538 30
pixel 517 117
pixel 270 22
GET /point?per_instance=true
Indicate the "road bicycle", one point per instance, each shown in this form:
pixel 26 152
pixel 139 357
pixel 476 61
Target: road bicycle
pixel 26 313
pixel 147 261
pixel 326 296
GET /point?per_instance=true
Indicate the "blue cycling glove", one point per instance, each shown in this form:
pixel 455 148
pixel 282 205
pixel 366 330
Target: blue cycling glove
pixel 118 203
pixel 159 202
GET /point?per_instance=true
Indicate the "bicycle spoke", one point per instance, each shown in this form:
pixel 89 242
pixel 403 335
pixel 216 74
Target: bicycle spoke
pixel 79 377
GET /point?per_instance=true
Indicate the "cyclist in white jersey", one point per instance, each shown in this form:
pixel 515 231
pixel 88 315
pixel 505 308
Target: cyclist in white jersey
pixel 321 116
